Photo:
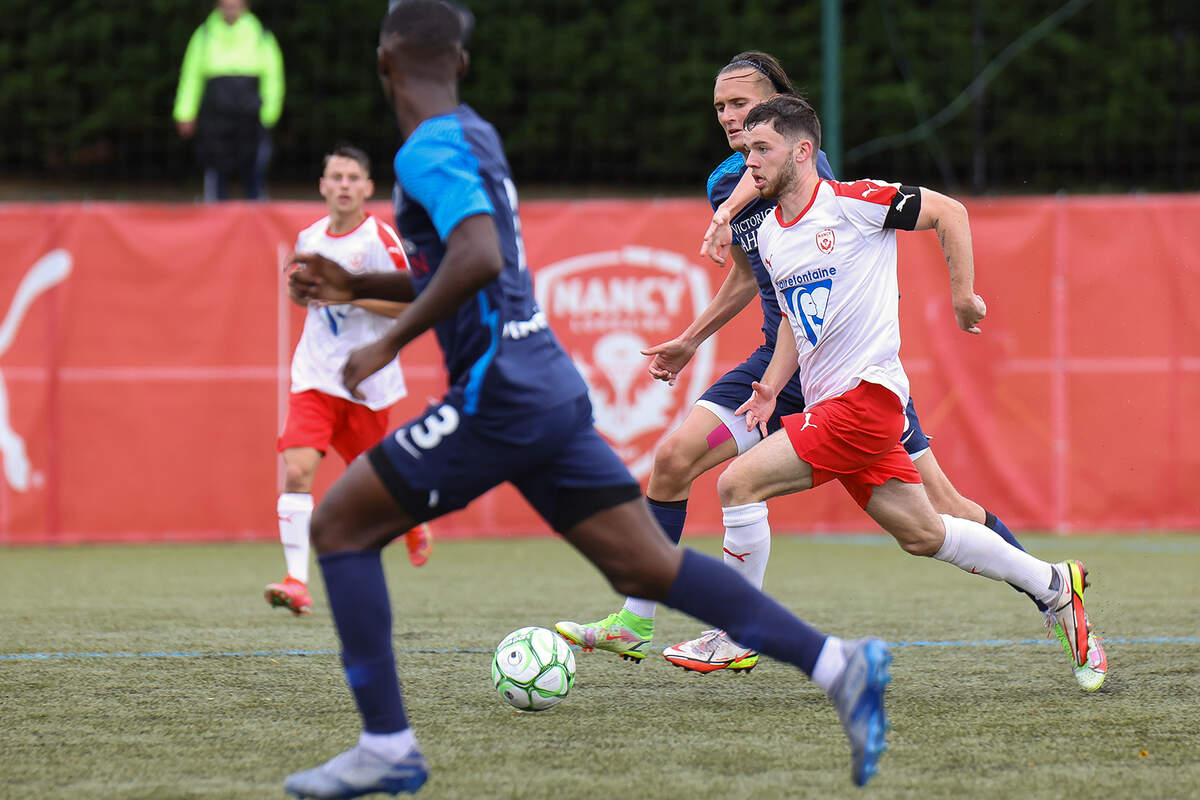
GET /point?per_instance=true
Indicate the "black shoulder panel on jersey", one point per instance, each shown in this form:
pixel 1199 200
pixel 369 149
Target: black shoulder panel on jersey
pixel 905 208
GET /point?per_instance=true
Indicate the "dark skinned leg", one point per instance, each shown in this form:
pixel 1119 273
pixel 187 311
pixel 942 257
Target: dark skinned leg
pixel 357 513
pixel 354 520
pixel 631 551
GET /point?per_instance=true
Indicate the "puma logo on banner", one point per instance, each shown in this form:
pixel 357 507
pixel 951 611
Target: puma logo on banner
pixel 48 271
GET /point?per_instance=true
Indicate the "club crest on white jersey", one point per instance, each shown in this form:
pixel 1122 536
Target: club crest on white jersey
pixel 825 239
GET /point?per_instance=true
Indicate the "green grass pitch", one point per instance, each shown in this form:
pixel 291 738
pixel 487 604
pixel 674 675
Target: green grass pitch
pixel 160 672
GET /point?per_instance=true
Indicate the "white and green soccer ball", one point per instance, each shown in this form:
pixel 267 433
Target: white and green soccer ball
pixel 533 669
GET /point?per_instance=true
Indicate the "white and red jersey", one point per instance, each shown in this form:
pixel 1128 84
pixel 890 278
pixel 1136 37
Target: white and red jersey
pixel 332 332
pixel 834 271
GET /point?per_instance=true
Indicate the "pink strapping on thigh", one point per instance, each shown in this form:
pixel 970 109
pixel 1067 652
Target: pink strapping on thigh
pixel 717 436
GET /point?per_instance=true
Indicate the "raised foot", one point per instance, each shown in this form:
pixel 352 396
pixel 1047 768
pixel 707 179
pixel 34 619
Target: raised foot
pixel 419 544
pixel 858 697
pixel 291 594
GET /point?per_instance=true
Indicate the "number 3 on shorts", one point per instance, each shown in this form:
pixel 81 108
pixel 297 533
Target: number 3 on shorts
pixel 429 432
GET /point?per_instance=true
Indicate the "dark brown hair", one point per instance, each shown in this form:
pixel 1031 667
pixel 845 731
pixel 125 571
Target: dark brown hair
pixel 351 152
pixel 791 116
pixel 764 63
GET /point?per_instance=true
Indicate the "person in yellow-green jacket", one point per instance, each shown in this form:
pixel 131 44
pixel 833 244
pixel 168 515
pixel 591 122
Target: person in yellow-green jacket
pixel 230 96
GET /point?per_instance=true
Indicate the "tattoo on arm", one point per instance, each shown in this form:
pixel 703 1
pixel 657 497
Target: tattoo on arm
pixel 941 234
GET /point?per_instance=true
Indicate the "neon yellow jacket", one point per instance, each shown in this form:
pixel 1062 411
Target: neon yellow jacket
pixel 219 49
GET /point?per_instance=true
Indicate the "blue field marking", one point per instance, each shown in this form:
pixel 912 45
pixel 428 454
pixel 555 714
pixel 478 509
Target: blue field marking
pixel 1054 642
pixel 462 650
pixel 195 654
pixel 1188 546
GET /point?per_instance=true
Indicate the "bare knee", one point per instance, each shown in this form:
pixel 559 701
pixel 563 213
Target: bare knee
pixel 299 469
pixel 629 549
pixel 633 580
pixel 923 546
pixel 322 529
pixel 639 571
pixel 735 486
pixel 649 578
pixel 921 538
pixel 297 478
pixel 674 467
pixel 330 532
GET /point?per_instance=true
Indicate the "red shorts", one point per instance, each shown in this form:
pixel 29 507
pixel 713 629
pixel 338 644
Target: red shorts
pixel 854 437
pixel 316 419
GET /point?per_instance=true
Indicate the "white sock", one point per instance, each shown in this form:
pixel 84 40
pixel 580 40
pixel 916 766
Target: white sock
pixel 746 548
pixel 392 746
pixel 830 664
pixel 976 549
pixel 295 511
pixel 747 544
pixel 641 607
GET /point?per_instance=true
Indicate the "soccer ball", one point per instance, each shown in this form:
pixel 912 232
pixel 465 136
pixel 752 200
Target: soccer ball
pixel 533 669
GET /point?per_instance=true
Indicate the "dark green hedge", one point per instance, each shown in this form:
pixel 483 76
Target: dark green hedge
pixel 617 92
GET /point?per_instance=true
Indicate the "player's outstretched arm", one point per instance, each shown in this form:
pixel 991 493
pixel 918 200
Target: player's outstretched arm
pixel 761 405
pixel 948 218
pixel 719 237
pixel 739 288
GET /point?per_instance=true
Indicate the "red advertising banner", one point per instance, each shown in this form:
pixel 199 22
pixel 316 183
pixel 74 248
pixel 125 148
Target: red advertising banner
pixel 144 356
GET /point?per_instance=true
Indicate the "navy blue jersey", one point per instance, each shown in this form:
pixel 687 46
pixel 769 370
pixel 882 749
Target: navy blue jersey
pixel 497 347
pixel 745 230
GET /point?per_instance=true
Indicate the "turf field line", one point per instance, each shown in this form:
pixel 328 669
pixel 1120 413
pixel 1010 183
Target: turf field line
pixel 182 654
pixel 464 650
pixel 1068 543
pixel 1055 642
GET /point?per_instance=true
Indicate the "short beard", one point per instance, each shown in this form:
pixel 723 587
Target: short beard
pixel 783 182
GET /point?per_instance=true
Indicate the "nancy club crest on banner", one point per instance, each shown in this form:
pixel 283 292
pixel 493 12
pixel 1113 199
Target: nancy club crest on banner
pixel 606 308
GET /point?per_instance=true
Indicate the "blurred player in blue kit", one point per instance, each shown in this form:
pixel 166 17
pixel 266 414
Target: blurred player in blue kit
pixel 713 433
pixel 516 410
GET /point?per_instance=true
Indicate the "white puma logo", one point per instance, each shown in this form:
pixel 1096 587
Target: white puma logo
pixel 808 423
pixel 49 270
pixel 900 205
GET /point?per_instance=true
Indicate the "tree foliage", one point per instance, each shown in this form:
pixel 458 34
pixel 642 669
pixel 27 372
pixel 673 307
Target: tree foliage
pixel 618 93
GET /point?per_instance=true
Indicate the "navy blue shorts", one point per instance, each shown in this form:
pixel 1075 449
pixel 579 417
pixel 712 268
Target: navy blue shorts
pixel 443 459
pixel 913 438
pixel 733 388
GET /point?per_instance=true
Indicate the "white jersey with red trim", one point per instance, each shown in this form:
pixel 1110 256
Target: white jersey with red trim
pixel 834 270
pixel 332 332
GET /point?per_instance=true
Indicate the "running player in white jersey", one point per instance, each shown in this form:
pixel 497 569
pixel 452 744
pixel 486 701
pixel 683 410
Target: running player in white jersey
pixel 830 249
pixel 711 434
pixel 321 412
